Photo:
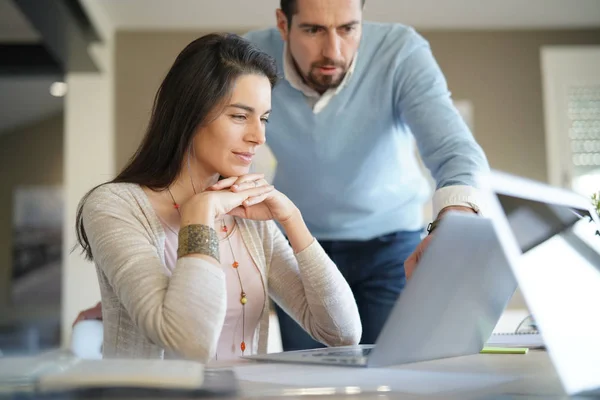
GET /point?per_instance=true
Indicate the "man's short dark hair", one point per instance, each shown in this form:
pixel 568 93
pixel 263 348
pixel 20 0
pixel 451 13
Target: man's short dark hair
pixel 289 8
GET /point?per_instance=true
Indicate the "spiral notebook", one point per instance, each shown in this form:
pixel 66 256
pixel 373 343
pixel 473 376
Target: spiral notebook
pixel 526 339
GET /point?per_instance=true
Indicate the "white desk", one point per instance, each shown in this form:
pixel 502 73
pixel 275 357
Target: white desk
pixel 473 377
pixel 489 376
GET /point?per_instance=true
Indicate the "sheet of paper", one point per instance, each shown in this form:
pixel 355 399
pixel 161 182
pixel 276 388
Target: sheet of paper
pixel 367 379
pixel 510 320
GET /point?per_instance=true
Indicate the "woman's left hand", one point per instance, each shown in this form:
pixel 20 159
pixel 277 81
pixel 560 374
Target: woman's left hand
pixel 273 205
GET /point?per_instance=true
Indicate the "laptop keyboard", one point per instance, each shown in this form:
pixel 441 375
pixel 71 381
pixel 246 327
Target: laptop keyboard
pixel 343 353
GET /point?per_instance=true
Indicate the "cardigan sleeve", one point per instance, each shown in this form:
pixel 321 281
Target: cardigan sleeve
pixel 310 288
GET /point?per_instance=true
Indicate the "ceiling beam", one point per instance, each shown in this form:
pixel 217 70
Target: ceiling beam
pixel 27 59
pixel 65 29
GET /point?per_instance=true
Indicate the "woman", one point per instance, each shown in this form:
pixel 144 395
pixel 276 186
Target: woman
pixel 186 262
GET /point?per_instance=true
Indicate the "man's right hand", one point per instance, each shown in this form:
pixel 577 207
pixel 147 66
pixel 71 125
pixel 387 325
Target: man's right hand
pixel 413 260
pixel 91 313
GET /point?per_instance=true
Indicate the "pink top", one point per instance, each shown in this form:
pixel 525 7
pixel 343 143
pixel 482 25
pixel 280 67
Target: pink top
pixel 229 345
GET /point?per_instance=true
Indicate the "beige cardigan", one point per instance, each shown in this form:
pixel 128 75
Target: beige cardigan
pixel 146 311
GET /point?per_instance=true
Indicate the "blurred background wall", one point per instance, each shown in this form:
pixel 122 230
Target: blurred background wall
pixel 497 71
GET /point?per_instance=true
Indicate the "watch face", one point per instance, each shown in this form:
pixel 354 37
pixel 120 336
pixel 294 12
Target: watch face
pixel 431 226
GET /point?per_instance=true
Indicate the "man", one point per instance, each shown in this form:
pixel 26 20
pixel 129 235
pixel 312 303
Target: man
pixel 342 126
pixel 340 130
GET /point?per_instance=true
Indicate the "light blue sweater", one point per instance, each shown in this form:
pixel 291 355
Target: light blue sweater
pixel 351 168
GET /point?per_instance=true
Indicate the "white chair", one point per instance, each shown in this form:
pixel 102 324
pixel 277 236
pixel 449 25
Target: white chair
pixel 86 339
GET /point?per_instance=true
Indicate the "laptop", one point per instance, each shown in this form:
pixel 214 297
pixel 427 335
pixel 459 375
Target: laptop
pixel 548 237
pixel 551 239
pixel 449 307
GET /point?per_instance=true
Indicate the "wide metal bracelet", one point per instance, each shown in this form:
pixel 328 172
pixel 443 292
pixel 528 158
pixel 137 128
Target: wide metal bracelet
pixel 198 239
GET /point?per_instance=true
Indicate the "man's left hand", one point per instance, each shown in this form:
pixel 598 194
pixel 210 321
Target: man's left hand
pixel 413 260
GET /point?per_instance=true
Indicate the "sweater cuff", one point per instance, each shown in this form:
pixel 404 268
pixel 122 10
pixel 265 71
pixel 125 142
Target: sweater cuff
pixel 457 195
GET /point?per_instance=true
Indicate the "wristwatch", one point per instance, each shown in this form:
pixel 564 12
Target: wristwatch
pixel 432 225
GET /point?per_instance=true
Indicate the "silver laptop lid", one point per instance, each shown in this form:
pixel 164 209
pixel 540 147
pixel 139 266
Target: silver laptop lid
pixel 454 299
pixel 549 236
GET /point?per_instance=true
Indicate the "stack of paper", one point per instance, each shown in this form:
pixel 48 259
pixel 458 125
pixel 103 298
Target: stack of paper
pixel 531 340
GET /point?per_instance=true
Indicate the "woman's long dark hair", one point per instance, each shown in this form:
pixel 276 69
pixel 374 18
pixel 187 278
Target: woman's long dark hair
pixel 200 79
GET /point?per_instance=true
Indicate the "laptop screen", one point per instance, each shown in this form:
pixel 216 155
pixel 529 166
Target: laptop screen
pixel 535 222
pixel 559 275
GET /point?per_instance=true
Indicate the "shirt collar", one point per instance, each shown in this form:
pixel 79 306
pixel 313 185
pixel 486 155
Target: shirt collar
pixel 296 81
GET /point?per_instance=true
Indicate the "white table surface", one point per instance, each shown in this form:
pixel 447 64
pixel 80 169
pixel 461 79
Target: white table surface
pixel 488 376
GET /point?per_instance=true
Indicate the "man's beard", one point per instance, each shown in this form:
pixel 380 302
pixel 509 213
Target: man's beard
pixel 322 83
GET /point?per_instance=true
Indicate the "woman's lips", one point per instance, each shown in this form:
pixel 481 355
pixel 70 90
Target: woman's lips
pixel 246 158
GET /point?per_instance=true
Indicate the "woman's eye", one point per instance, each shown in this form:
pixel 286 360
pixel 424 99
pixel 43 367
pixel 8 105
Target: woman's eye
pixel 239 117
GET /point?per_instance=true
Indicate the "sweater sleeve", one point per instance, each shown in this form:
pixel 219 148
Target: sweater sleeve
pixel 311 289
pixel 443 138
pixel 184 312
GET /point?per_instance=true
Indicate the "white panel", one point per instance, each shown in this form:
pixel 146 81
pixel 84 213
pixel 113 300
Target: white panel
pixel 565 69
pixel 89 160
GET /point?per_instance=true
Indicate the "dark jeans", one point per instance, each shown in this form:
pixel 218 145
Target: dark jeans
pixel 374 270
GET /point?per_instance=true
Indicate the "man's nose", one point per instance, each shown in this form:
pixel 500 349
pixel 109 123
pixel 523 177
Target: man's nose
pixel 331 48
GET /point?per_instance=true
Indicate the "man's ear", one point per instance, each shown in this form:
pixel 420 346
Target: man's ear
pixel 282 24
